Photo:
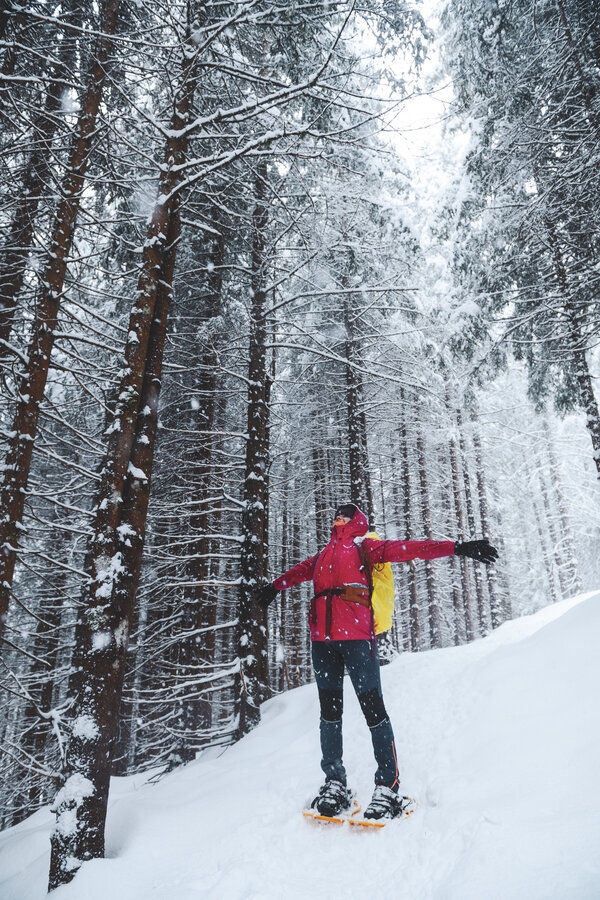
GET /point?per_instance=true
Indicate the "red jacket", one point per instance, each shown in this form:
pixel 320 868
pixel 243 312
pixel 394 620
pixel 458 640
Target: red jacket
pixel 339 563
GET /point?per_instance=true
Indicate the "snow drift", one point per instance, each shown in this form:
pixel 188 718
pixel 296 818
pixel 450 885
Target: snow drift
pixel 497 741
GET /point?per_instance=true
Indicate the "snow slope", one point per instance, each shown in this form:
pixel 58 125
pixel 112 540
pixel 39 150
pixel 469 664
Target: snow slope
pixel 498 741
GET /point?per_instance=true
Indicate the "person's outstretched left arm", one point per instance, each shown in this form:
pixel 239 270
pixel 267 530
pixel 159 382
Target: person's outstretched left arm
pixel 403 551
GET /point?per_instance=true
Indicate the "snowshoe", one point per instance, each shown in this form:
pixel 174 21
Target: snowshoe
pixel 386 804
pixel 333 798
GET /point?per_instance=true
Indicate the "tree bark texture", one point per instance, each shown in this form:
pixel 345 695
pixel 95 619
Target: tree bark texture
pixel 114 555
pixel 401 629
pixel 33 378
pixel 552 527
pixel 358 453
pixel 578 345
pixel 253 681
pixel 472 530
pixel 460 520
pixel 484 516
pixel 548 559
pixel 16 13
pixel 322 512
pixel 199 608
pixel 434 616
pixel 414 611
pixel 585 86
pixel 15 253
pixel 570 559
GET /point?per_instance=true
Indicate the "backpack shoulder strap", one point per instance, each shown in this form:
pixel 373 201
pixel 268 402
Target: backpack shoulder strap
pixel 368 570
pixel 316 561
pixel 366 566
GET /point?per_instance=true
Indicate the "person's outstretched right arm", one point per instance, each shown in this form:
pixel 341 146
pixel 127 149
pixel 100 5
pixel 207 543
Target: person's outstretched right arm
pixel 302 572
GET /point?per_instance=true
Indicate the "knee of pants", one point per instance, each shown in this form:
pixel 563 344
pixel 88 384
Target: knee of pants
pixel 373 707
pixel 332 704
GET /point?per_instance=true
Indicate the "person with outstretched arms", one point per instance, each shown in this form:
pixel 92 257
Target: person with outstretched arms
pixel 343 637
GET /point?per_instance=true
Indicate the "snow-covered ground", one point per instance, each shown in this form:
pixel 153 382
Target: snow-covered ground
pixel 498 742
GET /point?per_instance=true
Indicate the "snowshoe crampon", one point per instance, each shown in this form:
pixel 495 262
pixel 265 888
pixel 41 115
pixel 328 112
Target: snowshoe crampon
pixel 334 799
pixel 352 817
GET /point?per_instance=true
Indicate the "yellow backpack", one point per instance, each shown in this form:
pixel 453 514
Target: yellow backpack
pixel 382 589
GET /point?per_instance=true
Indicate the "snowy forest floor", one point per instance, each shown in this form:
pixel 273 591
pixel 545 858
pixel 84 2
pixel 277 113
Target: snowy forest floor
pixel 498 742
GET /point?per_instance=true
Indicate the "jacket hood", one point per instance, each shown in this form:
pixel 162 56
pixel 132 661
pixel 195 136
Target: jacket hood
pixel 356 527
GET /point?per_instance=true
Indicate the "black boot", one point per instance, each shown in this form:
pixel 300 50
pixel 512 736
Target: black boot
pixel 332 799
pixel 385 804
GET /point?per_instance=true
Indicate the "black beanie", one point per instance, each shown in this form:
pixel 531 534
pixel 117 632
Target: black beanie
pixel 346 509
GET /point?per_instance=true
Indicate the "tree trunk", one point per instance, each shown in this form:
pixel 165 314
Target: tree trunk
pixel 401 631
pixel 114 556
pixel 9 60
pixel 551 527
pixel 199 607
pixel 415 617
pixel 460 521
pixel 13 260
pixel 578 344
pixel 435 622
pixel 33 378
pixel 322 516
pixel 360 479
pixel 547 559
pixel 295 611
pixel 495 604
pixel 471 521
pixel 585 84
pixel 253 684
pixel 458 617
pixel 572 571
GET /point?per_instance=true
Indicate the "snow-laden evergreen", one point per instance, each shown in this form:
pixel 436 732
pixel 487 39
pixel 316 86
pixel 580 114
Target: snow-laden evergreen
pixel 497 742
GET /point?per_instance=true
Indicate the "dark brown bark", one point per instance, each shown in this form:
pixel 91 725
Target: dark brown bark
pixel 11 20
pixel 253 682
pixel 199 606
pixel 114 557
pixel 33 379
pixel 14 255
pixel 6 13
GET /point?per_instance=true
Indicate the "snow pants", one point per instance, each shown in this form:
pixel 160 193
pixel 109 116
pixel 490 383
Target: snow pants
pixel 329 659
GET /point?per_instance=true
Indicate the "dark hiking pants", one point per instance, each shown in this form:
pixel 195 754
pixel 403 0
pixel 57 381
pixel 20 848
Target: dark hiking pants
pixel 329 659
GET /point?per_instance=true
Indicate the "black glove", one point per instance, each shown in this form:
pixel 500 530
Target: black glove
pixel 266 594
pixel 481 550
